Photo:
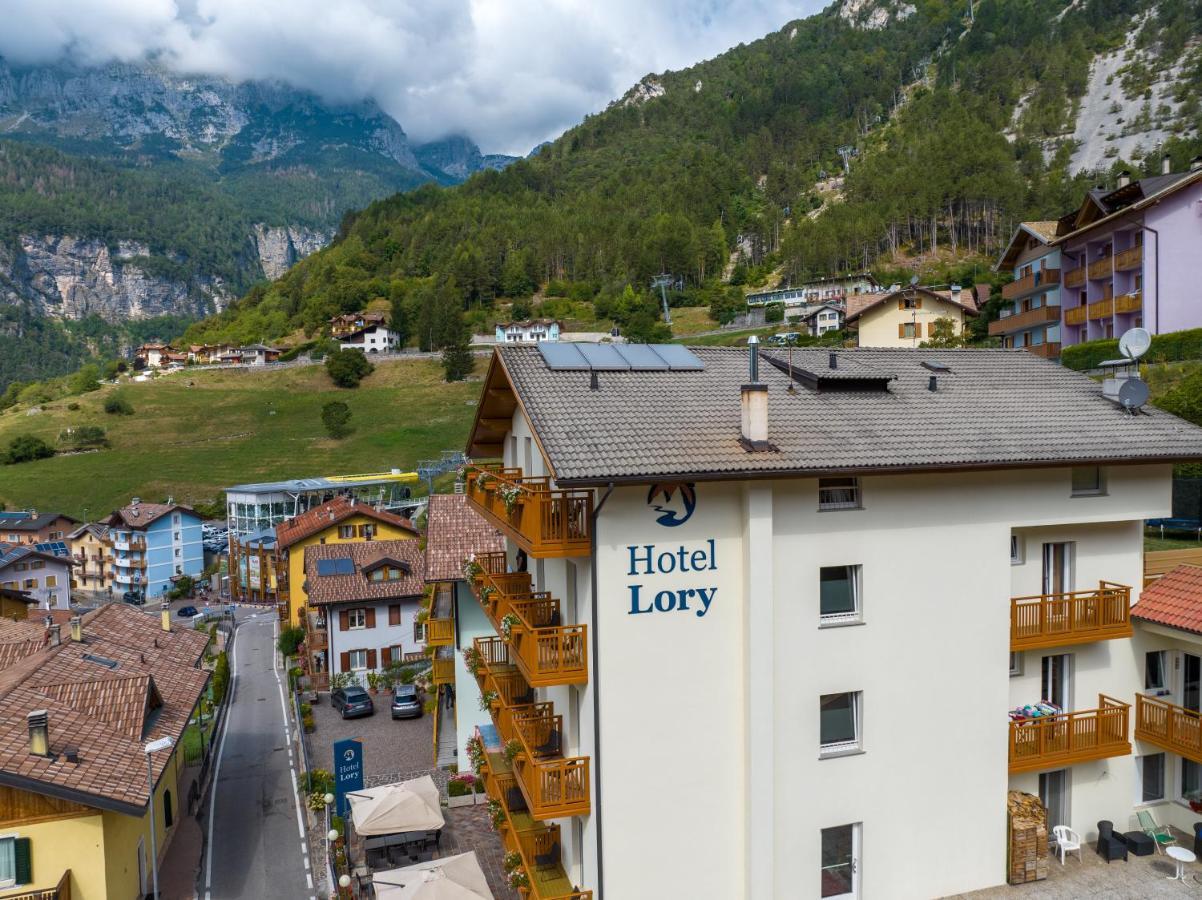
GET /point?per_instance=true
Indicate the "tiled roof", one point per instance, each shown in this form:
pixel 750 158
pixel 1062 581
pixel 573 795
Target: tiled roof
pixel 11 553
pixel 992 409
pixel 326 589
pixel 142 514
pixel 858 304
pixel 105 698
pixel 330 513
pixel 1044 230
pixel 1175 600
pixel 33 521
pixel 455 531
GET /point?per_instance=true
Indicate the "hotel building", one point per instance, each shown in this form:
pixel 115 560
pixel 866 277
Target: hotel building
pixel 750 628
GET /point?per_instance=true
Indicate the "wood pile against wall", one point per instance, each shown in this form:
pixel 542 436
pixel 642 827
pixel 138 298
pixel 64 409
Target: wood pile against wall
pixel 1027 837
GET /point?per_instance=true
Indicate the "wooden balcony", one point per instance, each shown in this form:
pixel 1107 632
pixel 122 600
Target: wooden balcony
pixel 1100 268
pixel 1030 284
pixel 444 671
pixel 1048 349
pixel 440 632
pixel 1132 258
pixel 1029 319
pixel 61 891
pixel 542 521
pixel 1078 617
pixel 1070 738
pixel 1075 316
pixel 1129 303
pixel 1074 277
pixel 1101 309
pixel 1168 726
pixel 555 786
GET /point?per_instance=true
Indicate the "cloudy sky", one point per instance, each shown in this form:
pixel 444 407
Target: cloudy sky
pixel 508 73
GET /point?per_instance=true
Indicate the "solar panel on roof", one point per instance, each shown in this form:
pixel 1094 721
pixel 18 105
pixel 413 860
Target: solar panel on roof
pixel 641 357
pixel 678 358
pixel 339 566
pixel 56 548
pixel 603 357
pixel 562 357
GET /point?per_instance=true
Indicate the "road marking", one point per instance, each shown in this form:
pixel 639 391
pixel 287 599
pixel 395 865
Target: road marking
pixel 275 665
pixel 225 729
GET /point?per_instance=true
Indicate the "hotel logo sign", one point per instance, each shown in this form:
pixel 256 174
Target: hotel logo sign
pixel 674 501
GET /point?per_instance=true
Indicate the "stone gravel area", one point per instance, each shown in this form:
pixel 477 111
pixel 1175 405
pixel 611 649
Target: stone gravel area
pixel 400 745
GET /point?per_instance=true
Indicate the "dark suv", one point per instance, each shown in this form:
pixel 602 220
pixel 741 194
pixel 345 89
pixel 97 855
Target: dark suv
pixel 352 702
pixel 405 702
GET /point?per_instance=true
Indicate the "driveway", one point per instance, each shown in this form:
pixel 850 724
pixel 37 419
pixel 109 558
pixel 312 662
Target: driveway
pixel 401 745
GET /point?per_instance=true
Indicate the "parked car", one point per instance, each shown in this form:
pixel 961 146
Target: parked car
pixel 406 704
pixel 133 599
pixel 352 702
pixel 186 612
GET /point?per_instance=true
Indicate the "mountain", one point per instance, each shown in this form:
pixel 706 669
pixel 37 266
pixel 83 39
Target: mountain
pixel 130 192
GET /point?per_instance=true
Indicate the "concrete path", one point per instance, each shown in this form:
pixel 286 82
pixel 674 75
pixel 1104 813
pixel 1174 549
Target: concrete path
pixel 256 844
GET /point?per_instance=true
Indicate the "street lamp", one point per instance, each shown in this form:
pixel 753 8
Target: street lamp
pixel 164 743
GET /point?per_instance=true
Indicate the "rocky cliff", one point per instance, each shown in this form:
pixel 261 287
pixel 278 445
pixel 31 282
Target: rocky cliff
pixel 278 248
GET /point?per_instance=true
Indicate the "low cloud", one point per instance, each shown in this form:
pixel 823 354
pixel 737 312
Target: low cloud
pixel 507 73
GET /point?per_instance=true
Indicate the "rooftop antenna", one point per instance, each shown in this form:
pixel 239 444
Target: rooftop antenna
pixel 1134 343
pixel 1126 388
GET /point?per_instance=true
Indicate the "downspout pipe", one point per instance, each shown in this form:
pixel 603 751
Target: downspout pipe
pixel 1156 269
pixel 597 806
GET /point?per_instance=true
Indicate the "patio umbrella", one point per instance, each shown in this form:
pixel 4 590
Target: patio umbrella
pixel 393 808
pixel 454 878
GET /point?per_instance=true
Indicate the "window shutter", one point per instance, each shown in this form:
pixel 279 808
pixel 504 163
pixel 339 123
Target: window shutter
pixel 371 617
pixel 901 329
pixel 918 303
pixel 24 860
pixel 386 657
pixel 394 614
pixel 371 659
pixel 346 661
pixel 344 621
pixel 901 304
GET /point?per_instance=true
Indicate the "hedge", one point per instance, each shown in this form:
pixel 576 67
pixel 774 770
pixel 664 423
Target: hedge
pixel 1172 347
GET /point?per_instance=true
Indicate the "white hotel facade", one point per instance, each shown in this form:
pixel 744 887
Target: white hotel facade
pixel 766 643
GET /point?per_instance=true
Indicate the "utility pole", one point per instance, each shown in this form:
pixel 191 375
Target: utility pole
pixel 662 282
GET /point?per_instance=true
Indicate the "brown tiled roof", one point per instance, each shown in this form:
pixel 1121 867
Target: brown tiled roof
pixel 859 304
pixel 330 513
pixel 105 698
pixel 1045 230
pixel 34 521
pixel 1175 600
pixel 326 589
pixel 454 532
pixel 143 514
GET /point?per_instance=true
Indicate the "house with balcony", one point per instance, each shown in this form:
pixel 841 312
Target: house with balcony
pixel 92 550
pixel 33 527
pixel 528 331
pixel 81 704
pixel 41 575
pixel 363 599
pixel 1126 255
pixel 154 544
pixel 823 318
pixel 342 520
pixel 731 546
pixel 373 338
pixel 1030 314
pixel 349 323
pixel 831 289
pixel 905 317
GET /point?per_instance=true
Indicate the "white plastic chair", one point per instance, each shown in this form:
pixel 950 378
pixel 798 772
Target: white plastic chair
pixel 1067 841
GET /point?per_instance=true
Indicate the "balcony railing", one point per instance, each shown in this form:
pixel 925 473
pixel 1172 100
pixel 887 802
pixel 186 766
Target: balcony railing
pixel 1074 277
pixel 1036 281
pixel 1169 726
pixel 1101 309
pixel 1129 303
pixel 1031 317
pixel 440 632
pixel 554 785
pixel 135 544
pixel 1075 316
pixel 61 891
pixel 1100 268
pixel 544 522
pixel 1132 258
pixel 1051 742
pixel 1077 617
pixel 1048 349
pixel 444 671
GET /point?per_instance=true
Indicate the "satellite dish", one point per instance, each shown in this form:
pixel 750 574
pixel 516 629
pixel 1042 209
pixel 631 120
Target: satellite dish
pixel 1133 393
pixel 913 280
pixel 1135 343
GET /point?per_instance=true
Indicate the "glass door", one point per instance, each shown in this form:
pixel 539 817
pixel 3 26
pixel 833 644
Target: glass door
pixel 1057 568
pixel 1191 671
pixel 841 862
pixel 1055 683
pixel 1053 794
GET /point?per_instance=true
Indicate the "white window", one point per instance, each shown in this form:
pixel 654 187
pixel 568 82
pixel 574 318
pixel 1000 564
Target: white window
pixel 1154 672
pixel 356 618
pixel 358 660
pixel 419 632
pixel 1150 771
pixel 841 862
pixel 1016 550
pixel 178 552
pixel 8 861
pixel 839 595
pixel 175 520
pixel 838 493
pixel 839 724
pixel 1016 663
pixel 1088 481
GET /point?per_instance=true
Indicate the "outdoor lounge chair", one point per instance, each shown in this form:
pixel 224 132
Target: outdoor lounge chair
pixel 547 860
pixel 515 800
pixel 1110 846
pixel 1159 833
pixel 552 746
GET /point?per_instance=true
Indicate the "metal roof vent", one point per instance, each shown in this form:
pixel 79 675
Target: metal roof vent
pixel 933 383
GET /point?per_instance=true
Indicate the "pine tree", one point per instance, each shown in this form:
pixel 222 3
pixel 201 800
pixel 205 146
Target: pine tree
pixel 457 360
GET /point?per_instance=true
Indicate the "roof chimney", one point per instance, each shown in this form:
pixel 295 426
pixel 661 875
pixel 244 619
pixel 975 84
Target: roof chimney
pixel 39 732
pixel 77 629
pixel 165 616
pixel 55 636
pixel 754 400
pixel 134 501
pixel 834 360
pixel 593 383
pixel 955 291
pixel 1124 178
pixel 33 514
pixel 933 384
pixel 1166 164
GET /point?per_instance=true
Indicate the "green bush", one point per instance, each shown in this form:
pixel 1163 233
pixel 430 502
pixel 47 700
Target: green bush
pixel 347 368
pixel 774 313
pixel 26 448
pixel 290 638
pixel 293 353
pixel 456 788
pixel 221 677
pixel 118 405
pixel 1170 347
pixel 83 436
pixel 315 781
pixel 336 417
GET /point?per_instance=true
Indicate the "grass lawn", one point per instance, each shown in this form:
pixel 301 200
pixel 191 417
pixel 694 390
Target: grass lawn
pixel 195 433
pixel 1158 543
pixel 688 320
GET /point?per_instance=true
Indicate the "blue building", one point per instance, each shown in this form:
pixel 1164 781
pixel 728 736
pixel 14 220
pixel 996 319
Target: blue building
pixel 153 545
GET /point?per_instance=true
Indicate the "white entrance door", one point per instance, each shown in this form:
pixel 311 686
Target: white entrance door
pixel 841 862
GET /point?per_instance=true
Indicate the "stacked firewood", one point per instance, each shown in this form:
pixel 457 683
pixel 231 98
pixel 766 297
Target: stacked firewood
pixel 1028 838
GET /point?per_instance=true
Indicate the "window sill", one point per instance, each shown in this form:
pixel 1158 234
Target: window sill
pixel 840 623
pixel 838 754
pixel 1076 495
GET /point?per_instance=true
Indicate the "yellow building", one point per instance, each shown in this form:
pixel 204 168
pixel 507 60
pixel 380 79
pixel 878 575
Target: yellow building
pixel 341 520
pixel 92 550
pixel 74 805
pixel 906 318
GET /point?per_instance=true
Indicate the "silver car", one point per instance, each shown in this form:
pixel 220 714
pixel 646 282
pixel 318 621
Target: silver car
pixel 406 704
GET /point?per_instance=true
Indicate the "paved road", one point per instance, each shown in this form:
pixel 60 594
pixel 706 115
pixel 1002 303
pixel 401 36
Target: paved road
pixel 256 843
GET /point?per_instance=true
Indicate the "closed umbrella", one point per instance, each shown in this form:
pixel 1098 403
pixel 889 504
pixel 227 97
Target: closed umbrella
pixel 393 808
pixel 454 878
